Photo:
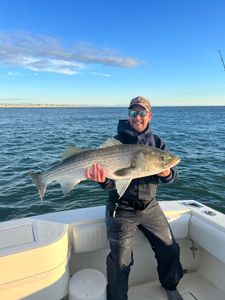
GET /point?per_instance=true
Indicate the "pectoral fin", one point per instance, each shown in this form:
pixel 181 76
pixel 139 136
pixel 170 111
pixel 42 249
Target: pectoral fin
pixel 122 185
pixel 126 172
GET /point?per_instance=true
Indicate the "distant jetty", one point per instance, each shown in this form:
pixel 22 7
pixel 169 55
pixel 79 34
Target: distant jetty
pixel 37 105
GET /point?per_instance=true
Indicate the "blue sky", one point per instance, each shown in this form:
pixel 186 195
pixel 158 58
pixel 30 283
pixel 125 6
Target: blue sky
pixel 95 52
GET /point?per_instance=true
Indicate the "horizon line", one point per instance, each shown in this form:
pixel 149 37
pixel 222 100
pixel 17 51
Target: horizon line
pixel 49 105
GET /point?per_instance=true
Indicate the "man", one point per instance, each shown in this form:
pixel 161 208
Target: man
pixel 138 208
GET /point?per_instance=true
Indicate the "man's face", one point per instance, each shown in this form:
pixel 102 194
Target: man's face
pixel 139 123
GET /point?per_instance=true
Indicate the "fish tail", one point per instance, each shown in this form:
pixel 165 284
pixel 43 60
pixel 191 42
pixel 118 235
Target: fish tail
pixel 41 185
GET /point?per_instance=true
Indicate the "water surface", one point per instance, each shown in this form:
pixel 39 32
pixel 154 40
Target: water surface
pixel 33 139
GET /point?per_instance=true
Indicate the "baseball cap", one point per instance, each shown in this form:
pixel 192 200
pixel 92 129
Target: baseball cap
pixel 142 101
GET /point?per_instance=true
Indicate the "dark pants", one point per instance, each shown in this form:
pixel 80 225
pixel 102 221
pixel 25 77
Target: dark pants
pixel 121 229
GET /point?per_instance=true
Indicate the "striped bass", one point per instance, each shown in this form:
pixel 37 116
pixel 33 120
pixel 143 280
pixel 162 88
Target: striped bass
pixel 123 162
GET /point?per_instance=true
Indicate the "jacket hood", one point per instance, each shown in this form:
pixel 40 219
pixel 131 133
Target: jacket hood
pixel 128 135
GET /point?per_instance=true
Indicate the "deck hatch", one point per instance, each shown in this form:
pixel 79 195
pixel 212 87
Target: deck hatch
pixel 16 236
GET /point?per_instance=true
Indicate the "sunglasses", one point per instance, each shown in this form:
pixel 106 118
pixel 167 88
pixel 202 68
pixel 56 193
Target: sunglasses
pixel 141 113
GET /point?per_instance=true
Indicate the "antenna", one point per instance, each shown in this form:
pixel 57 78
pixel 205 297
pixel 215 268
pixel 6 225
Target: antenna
pixel 222 59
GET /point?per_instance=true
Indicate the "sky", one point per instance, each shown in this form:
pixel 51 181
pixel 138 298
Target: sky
pixel 105 52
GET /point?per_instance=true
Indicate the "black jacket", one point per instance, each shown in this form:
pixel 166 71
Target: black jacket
pixel 140 189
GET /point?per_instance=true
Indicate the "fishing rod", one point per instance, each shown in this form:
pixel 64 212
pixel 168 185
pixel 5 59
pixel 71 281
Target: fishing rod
pixel 222 59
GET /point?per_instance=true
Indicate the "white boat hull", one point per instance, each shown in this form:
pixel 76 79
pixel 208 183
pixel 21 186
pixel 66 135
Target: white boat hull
pixel 39 254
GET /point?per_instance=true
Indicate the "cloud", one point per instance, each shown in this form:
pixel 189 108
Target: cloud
pixel 100 74
pixel 10 75
pixel 46 53
pixel 54 65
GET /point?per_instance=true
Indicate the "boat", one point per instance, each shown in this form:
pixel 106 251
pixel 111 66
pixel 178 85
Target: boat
pixel 62 255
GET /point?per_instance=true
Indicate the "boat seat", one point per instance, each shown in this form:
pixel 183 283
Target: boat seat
pixel 33 258
pixel 92 236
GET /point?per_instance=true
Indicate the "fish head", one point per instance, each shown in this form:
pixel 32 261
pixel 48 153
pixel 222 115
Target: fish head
pixel 157 160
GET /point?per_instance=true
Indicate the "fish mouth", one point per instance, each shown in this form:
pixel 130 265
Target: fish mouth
pixel 174 161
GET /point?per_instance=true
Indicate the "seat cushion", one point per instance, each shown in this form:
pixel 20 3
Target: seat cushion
pixel 93 236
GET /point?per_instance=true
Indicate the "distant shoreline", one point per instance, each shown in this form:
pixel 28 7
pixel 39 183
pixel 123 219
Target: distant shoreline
pixel 37 105
pixel 51 106
pixel 91 106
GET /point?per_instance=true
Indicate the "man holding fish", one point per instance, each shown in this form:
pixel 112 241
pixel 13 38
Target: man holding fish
pixel 129 167
pixel 132 204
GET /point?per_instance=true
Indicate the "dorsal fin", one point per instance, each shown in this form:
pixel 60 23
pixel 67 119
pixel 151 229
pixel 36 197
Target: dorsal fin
pixel 110 142
pixel 70 151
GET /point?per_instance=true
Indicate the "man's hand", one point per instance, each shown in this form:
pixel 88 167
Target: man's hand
pixel 96 173
pixel 164 173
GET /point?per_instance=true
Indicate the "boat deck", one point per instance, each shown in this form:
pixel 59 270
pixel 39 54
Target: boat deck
pixel 193 286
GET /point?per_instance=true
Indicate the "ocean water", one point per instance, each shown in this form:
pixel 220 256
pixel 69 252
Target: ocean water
pixel 33 139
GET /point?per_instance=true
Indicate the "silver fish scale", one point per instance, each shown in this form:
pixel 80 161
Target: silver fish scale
pixel 114 158
pixel 111 156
